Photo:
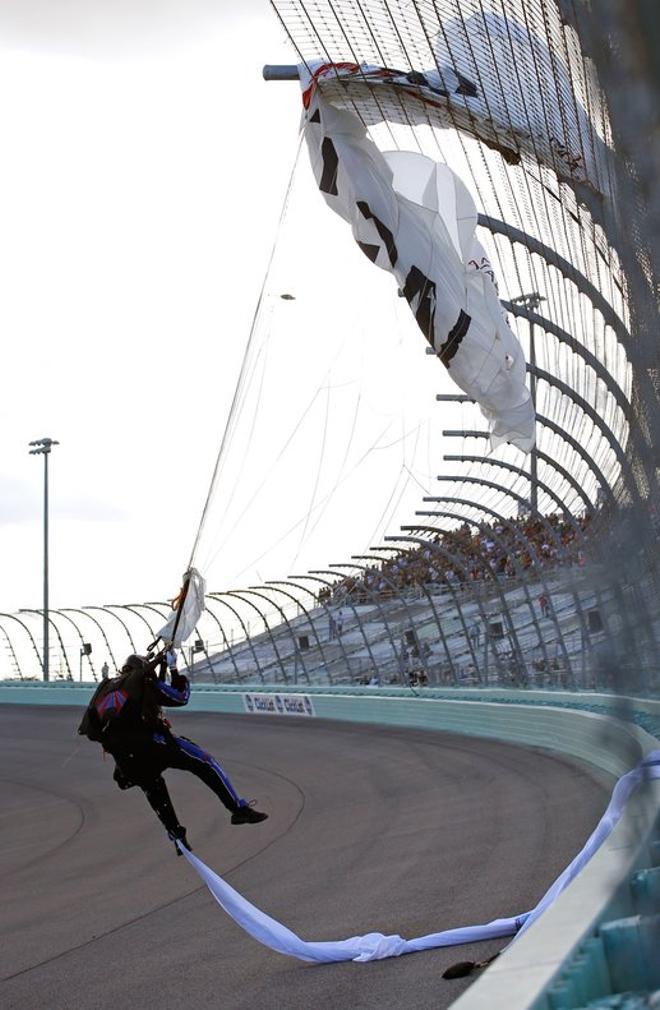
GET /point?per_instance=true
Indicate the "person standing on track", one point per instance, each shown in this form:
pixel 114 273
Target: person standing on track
pixel 125 716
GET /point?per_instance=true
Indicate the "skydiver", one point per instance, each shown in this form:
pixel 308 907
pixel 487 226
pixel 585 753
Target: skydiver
pixel 126 718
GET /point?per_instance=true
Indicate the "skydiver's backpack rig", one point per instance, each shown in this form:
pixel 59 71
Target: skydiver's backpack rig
pixel 111 696
pixel 134 683
pixel 104 706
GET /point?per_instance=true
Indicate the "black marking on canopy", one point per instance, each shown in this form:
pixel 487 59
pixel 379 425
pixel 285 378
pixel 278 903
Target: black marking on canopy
pixel 454 338
pixel 382 229
pixel 316 118
pixel 328 183
pixel 370 251
pixel 420 80
pixel 466 86
pixel 419 286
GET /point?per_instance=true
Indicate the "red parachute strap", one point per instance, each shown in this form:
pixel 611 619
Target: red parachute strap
pixel 178 602
pixel 319 72
pixel 355 69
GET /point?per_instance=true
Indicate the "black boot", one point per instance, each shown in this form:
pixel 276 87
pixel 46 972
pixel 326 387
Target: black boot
pixel 178 836
pixel 247 815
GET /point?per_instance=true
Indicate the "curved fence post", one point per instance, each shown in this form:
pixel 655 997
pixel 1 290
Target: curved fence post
pixel 228 646
pixel 25 628
pixel 376 601
pixel 526 546
pixel 274 585
pixel 538 567
pixel 241 594
pixel 28 610
pixel 431 601
pixel 328 586
pixel 12 651
pixel 517 566
pixel 246 633
pixel 105 610
pixel 82 643
pixel 74 610
pixel 256 591
pixel 457 564
pixel 324 571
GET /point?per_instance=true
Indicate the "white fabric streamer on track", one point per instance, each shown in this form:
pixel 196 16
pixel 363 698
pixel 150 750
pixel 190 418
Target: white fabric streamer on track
pixel 375 946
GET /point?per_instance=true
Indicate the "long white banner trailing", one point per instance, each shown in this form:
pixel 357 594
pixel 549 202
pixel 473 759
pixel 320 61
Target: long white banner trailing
pixel 374 946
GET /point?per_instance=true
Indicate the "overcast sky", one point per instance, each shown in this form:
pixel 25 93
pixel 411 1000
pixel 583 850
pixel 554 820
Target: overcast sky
pixel 144 167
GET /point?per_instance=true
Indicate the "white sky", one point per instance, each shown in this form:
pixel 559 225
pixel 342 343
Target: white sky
pixel 144 166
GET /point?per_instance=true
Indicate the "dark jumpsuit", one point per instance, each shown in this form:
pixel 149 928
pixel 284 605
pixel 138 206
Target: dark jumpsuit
pixel 143 745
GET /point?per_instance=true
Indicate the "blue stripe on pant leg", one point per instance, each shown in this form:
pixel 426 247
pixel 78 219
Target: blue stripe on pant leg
pixel 192 750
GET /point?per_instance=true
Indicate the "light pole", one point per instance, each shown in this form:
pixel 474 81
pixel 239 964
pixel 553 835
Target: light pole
pixel 42 447
pixel 532 302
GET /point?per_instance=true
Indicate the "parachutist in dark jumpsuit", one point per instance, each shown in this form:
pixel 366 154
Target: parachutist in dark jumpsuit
pixel 140 740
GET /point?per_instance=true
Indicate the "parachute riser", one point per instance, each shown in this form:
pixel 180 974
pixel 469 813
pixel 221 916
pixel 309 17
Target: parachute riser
pixel 177 605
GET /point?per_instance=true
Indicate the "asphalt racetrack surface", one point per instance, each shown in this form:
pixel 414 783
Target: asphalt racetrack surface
pixel 370 829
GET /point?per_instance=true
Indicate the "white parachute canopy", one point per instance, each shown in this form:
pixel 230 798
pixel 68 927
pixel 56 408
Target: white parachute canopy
pixel 186 611
pixel 414 218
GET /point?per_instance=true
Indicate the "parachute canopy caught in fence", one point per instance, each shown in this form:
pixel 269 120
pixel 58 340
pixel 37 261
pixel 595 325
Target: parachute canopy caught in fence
pixel 416 219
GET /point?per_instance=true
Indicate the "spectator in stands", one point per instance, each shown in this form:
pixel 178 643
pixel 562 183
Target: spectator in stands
pixel 495 550
pixel 544 604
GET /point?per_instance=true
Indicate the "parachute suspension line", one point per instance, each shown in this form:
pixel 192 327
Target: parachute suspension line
pixel 248 348
pixel 259 363
pixel 415 479
pixel 342 468
pixel 382 522
pixel 325 384
pixel 319 467
pixel 262 484
pixel 391 508
pixel 323 501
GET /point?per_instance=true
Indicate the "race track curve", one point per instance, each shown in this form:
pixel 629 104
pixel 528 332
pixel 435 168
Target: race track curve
pixel 370 828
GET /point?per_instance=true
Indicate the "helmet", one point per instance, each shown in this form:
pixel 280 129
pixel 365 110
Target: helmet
pixel 139 663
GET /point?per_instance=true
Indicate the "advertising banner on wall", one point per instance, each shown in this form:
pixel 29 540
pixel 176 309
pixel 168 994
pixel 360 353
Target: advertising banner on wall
pixel 278 704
